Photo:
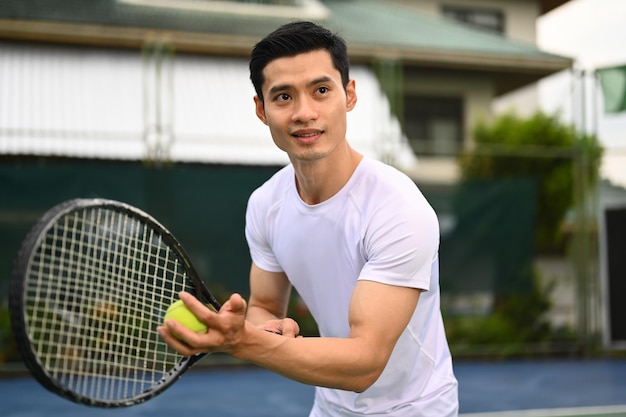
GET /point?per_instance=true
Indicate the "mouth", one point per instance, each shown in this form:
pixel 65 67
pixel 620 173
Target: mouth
pixel 307 136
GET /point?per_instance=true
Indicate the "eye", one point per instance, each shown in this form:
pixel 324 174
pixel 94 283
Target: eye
pixel 282 97
pixel 322 90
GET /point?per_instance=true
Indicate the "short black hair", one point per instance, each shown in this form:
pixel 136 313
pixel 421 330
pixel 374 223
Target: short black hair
pixel 295 38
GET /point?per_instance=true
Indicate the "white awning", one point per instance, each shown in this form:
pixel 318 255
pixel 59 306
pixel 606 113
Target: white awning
pixel 120 104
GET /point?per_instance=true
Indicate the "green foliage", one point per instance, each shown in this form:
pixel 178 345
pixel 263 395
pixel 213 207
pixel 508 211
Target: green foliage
pixel 564 165
pixel 516 326
pixel 543 149
pixel 7 345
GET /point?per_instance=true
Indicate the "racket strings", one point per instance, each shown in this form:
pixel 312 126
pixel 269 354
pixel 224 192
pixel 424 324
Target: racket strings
pixel 97 287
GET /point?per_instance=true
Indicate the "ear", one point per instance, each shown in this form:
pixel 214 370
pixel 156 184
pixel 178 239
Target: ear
pixel 260 109
pixel 350 95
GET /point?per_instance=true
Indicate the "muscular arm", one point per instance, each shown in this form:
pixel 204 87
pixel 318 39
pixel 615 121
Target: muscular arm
pixel 378 314
pixel 269 299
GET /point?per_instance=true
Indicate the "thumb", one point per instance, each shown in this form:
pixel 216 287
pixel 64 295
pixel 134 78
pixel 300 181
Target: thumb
pixel 235 304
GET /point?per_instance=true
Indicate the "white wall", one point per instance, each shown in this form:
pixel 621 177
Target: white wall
pixel 593 32
pixel 520 15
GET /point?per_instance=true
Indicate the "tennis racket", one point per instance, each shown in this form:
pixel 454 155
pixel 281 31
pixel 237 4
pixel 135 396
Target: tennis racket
pixel 91 283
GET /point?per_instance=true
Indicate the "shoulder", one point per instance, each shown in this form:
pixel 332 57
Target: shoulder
pixel 387 176
pixel 401 230
pixel 263 204
pixel 386 185
pixel 274 188
pixel 389 200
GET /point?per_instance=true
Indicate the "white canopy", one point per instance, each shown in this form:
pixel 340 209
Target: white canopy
pixel 120 104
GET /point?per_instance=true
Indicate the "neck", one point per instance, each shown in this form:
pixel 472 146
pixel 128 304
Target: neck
pixel 319 180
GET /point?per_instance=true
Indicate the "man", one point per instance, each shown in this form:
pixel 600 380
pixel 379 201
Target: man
pixel 355 237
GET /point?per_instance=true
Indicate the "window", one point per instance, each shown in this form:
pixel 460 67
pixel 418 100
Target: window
pixel 491 20
pixel 433 124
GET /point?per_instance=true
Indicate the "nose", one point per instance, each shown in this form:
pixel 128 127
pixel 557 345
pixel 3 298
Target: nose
pixel 304 110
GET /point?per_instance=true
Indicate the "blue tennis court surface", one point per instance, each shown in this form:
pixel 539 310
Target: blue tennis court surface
pixel 499 389
pixel 551 388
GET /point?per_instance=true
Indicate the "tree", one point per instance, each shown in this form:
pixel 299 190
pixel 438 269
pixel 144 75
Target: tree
pixel 543 149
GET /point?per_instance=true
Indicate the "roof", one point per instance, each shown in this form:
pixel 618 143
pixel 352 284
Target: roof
pixel 373 29
pixel 383 30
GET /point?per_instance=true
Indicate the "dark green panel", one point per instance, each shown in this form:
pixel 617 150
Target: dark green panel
pixel 203 205
pixel 489 245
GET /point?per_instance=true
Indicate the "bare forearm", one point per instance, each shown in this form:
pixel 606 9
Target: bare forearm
pixel 347 364
pixel 258 315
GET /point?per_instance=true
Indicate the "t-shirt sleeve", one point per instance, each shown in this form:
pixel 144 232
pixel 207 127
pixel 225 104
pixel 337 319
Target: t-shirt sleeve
pixel 258 230
pixel 402 242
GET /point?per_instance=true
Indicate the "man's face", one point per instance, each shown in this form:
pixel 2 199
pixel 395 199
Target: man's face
pixel 305 105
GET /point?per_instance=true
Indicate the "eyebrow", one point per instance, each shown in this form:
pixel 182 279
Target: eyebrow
pixel 282 87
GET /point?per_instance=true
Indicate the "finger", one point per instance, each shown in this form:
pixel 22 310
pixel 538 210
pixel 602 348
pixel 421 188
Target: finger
pixel 181 333
pixel 172 341
pixel 290 328
pixel 286 327
pixel 206 314
pixel 235 304
pixel 272 326
pixel 193 304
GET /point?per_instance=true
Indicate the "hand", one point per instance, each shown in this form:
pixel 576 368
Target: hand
pixel 286 327
pixel 226 327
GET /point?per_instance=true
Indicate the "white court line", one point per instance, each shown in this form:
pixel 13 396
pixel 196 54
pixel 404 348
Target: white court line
pixel 555 412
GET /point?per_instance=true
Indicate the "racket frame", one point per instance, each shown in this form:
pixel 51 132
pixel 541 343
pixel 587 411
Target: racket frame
pixel 17 301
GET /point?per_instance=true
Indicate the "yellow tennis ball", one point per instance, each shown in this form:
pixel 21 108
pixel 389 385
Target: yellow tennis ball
pixel 178 311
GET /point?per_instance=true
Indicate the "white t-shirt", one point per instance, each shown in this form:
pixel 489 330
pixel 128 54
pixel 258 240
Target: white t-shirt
pixel 378 227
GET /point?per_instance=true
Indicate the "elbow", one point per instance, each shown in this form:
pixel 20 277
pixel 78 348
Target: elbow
pixel 362 370
pixel 370 370
pixel 360 388
pixel 363 382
